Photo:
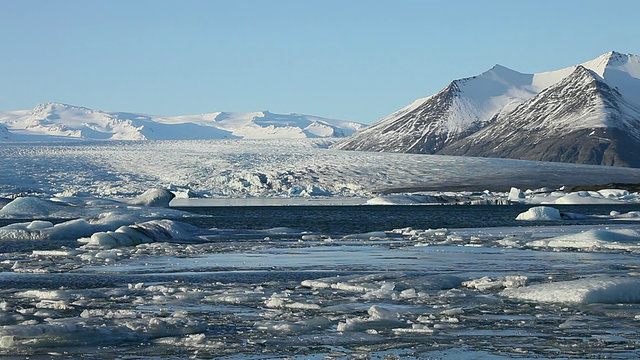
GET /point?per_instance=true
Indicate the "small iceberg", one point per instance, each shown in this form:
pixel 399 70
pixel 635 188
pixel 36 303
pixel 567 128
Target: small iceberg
pixel 146 232
pixel 608 290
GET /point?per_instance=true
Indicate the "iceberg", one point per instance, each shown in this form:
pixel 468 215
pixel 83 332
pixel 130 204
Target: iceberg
pixel 31 207
pixel 154 198
pixel 546 213
pixel 540 213
pixel 146 232
pixel 516 195
pixel 152 203
pixel 75 228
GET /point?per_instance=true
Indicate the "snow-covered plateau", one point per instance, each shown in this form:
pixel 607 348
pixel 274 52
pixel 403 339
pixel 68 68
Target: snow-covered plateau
pixel 96 260
pixel 56 121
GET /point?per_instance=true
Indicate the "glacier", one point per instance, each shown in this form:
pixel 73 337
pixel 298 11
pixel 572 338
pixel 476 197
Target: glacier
pixel 268 169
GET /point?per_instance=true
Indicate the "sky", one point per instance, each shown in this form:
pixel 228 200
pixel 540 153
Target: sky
pixel 356 60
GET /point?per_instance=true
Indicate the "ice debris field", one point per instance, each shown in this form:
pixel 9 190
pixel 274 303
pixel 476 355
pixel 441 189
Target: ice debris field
pixel 104 269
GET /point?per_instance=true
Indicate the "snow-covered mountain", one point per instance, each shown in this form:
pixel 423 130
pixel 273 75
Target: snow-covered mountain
pixel 56 121
pixel 588 113
pixel 581 119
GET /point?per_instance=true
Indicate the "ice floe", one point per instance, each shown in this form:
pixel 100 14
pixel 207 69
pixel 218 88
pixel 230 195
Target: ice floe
pixel 542 196
pixel 611 239
pixel 378 318
pixel 604 289
pixel 594 197
pixel 488 283
pixel 547 213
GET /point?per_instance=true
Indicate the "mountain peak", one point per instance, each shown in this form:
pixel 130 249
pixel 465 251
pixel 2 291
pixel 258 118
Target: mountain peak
pixel 613 60
pixel 56 106
pixel 48 106
pixel 505 113
pixel 581 71
pixel 497 68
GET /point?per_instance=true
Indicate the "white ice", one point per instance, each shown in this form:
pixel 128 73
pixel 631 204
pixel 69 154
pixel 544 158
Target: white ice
pixel 546 213
pixel 610 290
pixel 488 283
pixel 613 239
pixel 88 215
pixel 146 232
pixel 540 213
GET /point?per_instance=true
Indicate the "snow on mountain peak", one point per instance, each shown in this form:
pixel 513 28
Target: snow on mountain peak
pixel 606 61
pixel 476 116
pixel 503 72
pixel 58 120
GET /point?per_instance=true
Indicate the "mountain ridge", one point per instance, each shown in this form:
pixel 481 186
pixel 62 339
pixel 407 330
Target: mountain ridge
pixel 526 116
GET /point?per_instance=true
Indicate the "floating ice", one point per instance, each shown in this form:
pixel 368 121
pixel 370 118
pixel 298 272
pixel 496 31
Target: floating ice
pixel 402 199
pixel 147 232
pixel 612 239
pixel 540 213
pixel 32 207
pixel 415 329
pixel 628 216
pixel 590 198
pixel 380 318
pixel 76 207
pixel 487 283
pixel 154 197
pixel 372 284
pixel 516 195
pixel 40 230
pixel 549 196
pixel 613 193
pixel 610 290
pixel 280 301
pixel 45 230
pixel 545 213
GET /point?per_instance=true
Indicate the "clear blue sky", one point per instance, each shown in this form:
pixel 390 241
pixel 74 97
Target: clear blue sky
pixel 347 59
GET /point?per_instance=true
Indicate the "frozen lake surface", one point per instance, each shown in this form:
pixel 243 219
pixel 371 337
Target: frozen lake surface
pixel 89 271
